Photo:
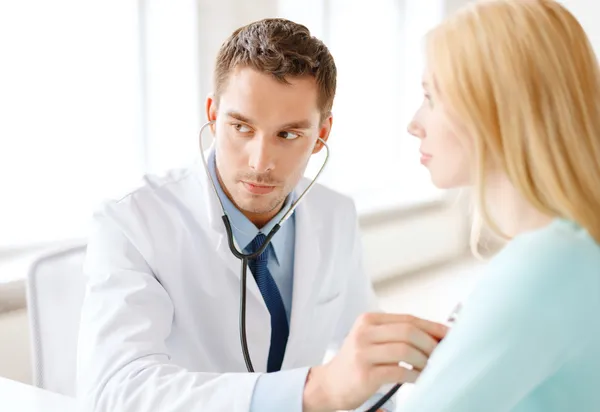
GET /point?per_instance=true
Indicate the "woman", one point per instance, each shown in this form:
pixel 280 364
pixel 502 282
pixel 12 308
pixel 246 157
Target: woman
pixel 512 109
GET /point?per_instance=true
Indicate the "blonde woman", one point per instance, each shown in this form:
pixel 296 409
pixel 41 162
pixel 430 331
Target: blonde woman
pixel 512 109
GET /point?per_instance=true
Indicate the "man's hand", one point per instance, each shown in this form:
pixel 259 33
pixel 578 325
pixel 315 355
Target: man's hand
pixel 369 358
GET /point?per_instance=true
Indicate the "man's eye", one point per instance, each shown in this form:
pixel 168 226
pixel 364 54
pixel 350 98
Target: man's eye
pixel 288 135
pixel 242 128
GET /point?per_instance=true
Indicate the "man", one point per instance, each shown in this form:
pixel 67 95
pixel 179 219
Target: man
pixel 159 329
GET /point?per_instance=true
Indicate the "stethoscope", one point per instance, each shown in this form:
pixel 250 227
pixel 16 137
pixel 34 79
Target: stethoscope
pixel 245 257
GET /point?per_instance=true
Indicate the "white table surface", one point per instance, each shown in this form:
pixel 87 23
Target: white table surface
pixel 18 397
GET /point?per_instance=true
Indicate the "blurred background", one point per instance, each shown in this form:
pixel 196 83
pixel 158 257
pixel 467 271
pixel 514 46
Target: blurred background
pixel 93 94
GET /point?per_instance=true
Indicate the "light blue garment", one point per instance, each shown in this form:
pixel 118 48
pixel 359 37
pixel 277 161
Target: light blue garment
pixel 528 337
pixel 280 391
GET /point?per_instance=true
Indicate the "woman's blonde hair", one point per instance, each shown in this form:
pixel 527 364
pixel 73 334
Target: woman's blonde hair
pixel 522 78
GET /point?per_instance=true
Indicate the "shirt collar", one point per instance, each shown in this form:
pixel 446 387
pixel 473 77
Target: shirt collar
pixel 244 231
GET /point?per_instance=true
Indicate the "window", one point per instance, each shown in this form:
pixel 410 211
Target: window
pixel 71 114
pixel 97 94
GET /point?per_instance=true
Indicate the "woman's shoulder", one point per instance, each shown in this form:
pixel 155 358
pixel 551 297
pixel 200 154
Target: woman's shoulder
pixel 558 265
pixel 560 246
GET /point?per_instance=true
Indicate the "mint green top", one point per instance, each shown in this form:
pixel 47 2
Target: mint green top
pixel 528 337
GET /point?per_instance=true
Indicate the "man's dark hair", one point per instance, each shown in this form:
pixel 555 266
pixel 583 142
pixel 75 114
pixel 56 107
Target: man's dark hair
pixel 283 49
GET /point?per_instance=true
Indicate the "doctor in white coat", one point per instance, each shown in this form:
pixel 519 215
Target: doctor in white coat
pixel 159 327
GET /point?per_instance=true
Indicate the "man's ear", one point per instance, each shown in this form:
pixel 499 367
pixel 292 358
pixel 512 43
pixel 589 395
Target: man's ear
pixel 324 131
pixel 211 110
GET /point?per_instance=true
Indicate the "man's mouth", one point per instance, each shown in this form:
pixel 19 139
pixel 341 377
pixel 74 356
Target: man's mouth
pixel 257 188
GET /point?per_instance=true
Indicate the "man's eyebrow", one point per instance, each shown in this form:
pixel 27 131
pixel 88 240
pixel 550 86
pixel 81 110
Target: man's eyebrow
pixel 239 116
pixel 301 124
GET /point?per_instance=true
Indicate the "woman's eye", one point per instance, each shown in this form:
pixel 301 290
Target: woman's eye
pixel 288 135
pixel 429 100
pixel 242 128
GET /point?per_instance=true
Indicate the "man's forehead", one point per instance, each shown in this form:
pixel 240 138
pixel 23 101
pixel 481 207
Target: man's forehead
pixel 261 100
pixel 247 81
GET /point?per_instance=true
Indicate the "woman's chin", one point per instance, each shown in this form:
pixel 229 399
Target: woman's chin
pixel 443 182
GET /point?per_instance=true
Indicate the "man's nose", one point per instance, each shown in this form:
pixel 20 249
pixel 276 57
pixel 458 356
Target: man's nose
pixel 262 154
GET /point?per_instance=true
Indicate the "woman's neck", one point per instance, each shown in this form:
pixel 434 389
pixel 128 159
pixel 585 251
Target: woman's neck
pixel 510 211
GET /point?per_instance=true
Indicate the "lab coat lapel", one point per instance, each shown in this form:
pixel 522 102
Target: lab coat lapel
pixel 306 276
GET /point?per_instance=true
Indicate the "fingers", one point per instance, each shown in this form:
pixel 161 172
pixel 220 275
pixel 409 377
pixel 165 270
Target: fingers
pixel 437 330
pixel 387 327
pixel 395 374
pixel 384 338
pixel 393 353
pixel 402 332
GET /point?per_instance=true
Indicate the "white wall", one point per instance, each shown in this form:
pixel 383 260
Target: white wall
pixel 587 12
pixel 406 241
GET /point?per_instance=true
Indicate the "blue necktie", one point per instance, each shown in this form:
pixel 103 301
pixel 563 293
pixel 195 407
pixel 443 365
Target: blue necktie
pixel 270 293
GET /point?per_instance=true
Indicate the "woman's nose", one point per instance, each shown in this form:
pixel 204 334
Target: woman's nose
pixel 415 129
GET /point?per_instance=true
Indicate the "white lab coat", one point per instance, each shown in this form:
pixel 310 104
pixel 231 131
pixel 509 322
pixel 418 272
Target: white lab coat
pixel 159 326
